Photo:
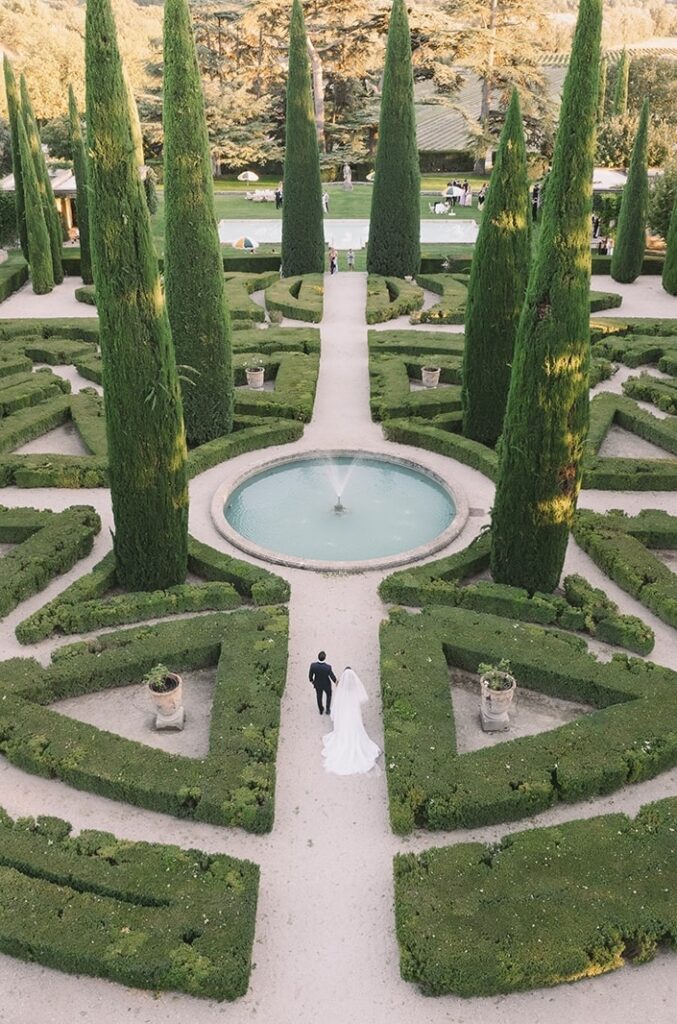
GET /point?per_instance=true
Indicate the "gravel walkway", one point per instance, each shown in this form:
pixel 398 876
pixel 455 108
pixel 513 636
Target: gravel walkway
pixel 325 946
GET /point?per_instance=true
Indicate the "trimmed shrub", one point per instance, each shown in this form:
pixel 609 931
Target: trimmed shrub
pixel 429 787
pixel 149 487
pixel 233 785
pixel 295 376
pixel 391 394
pixel 626 262
pixel 546 420
pixel 299 298
pixel 670 268
pixel 394 228
pixel 238 289
pixel 604 300
pixel 454 291
pixel 140 914
pixel 302 219
pixel 390 297
pixel 13 274
pixel 663 393
pixel 249 434
pixel 422 435
pixel 498 281
pixel 480 920
pixel 194 286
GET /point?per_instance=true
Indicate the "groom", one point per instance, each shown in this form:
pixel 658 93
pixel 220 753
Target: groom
pixel 321 676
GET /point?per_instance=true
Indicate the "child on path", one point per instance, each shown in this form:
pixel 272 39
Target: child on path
pixel 350 257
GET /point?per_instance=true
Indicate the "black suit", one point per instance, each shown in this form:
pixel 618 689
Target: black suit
pixel 321 676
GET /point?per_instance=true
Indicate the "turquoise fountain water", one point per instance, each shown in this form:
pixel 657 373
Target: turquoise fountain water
pixel 340 509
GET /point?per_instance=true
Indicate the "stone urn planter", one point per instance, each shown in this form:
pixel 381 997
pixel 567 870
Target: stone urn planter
pixel 430 376
pixel 497 687
pixel 166 692
pixel 255 377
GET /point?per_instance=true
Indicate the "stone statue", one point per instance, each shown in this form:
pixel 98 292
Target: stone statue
pixel 347 177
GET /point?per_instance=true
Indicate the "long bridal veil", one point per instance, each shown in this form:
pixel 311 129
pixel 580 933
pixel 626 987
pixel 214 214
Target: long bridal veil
pixel 348 750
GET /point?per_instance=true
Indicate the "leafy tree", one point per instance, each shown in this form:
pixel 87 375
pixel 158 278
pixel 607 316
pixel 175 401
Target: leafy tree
pixel 498 280
pixel 302 226
pixel 616 137
pixel 144 421
pixel 56 135
pixel 662 198
pixel 82 197
pixel 621 91
pixel 546 419
pixel 194 282
pixel 626 262
pixel 655 79
pixel 394 230
pixel 670 265
pixel 52 218
pixel 37 235
pixel 14 109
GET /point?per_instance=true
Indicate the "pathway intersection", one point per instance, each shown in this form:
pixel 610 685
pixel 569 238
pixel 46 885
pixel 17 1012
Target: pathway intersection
pixel 325 948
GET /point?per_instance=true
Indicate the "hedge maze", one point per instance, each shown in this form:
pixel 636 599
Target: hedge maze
pixel 141 914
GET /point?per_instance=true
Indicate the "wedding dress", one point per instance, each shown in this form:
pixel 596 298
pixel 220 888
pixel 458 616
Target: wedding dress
pixel 348 750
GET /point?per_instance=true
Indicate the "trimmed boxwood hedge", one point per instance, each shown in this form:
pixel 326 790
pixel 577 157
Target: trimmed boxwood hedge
pixel 390 297
pixel 539 907
pixel 249 434
pixel 454 291
pixel 663 393
pixel 47 544
pixel 422 434
pixel 233 785
pixel 240 286
pixel 141 914
pixel 604 300
pixel 632 737
pixel 19 390
pixel 415 343
pixel 13 274
pixel 295 376
pixel 626 474
pixel 298 298
pixel 582 607
pixel 87 605
pixel 609 541
pixel 390 392
pixel 638 349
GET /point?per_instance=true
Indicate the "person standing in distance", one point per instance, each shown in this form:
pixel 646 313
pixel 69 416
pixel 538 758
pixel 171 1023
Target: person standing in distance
pixel 321 675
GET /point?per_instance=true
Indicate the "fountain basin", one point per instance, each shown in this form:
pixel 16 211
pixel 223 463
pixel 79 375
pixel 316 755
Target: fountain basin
pixel 340 511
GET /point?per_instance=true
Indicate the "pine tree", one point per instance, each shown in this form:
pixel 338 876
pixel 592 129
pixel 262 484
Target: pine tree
pixel 498 280
pixel 37 235
pixel 194 282
pixel 395 228
pixel 628 255
pixel 82 200
pixel 14 111
pixel 670 266
pixel 601 99
pixel 546 419
pixel 302 225
pixel 144 421
pixel 621 90
pixel 52 217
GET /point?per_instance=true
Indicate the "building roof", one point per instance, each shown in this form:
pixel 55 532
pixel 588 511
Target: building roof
pixel 62 179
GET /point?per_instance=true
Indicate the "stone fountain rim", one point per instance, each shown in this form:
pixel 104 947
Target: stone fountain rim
pixel 320 565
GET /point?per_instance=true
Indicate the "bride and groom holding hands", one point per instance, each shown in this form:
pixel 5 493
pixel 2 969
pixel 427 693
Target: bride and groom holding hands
pixel 347 750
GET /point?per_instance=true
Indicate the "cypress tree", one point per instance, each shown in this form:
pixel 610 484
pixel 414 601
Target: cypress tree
pixel 670 266
pixel 628 255
pixel 80 169
pixel 134 122
pixel 37 235
pixel 144 421
pixel 601 100
pixel 302 223
pixel 546 419
pixel 622 81
pixel 14 111
pixel 498 280
pixel 395 228
pixel 194 282
pixel 52 217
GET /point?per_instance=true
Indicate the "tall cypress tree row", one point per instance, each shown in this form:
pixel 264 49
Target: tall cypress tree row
pixel 134 122
pixel 302 224
pixel 37 235
pixel 546 419
pixel 194 282
pixel 82 200
pixel 14 111
pixel 628 255
pixel 144 421
pixel 395 225
pixel 498 280
pixel 669 277
pixel 622 80
pixel 601 99
pixel 52 218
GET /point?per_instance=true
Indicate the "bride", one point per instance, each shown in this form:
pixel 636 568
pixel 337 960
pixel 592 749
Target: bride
pixel 348 750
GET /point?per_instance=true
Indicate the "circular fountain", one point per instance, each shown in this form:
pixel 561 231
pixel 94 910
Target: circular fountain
pixel 344 511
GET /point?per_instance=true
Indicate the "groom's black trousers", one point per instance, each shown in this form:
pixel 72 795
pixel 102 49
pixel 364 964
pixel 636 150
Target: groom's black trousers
pixel 323 687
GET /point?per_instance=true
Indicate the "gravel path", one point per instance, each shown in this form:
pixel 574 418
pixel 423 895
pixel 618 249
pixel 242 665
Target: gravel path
pixel 325 947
